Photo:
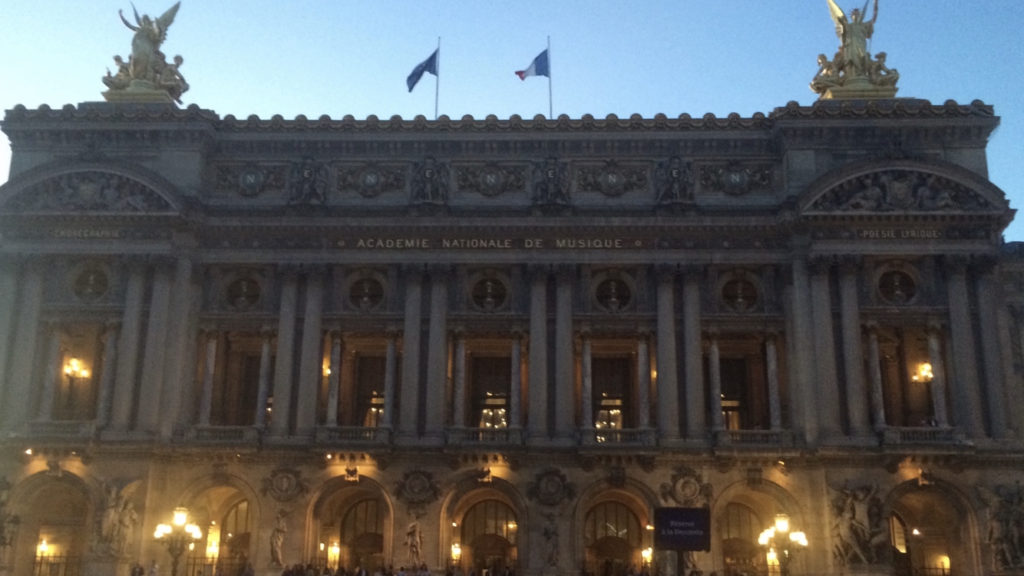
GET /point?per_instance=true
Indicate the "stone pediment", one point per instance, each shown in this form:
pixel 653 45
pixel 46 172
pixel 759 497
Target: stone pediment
pixel 905 187
pixel 88 190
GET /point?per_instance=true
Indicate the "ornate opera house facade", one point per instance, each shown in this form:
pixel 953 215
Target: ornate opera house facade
pixel 481 344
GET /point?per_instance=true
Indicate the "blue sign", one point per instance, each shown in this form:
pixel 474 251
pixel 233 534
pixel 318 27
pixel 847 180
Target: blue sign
pixel 682 528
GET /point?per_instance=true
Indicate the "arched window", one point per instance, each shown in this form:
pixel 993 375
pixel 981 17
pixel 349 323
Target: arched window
pixel 488 536
pixel 613 539
pixel 362 535
pixel 235 536
pixel 740 526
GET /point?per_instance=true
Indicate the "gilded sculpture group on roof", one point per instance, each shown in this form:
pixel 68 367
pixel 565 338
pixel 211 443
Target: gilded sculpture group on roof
pixel 147 75
pixel 852 72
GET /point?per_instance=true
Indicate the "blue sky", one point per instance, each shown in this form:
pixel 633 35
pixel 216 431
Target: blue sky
pixel 351 57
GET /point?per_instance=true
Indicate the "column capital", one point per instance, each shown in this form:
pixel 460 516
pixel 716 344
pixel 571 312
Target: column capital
pixel 849 264
pixel 666 271
pixel 693 271
pixel 538 272
pixel 565 271
pixel 956 263
pixel 438 269
pixel 412 272
pixel 820 264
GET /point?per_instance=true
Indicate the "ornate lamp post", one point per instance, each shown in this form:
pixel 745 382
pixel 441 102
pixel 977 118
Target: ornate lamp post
pixel 781 544
pixel 177 536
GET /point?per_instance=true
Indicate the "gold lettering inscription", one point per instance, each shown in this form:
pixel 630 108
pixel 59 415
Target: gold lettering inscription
pixel 899 234
pixel 394 243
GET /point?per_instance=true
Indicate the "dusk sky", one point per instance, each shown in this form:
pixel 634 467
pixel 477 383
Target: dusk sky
pixel 351 57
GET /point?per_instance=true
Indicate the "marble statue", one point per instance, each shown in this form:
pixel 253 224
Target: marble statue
pixel 147 76
pixel 853 73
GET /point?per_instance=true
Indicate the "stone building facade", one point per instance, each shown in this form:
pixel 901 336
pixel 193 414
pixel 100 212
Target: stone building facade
pixel 481 344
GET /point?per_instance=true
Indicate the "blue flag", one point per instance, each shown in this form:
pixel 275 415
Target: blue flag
pixel 428 65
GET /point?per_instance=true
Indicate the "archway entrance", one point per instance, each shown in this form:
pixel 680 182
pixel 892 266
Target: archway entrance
pixel 929 533
pixel 489 533
pixel 228 521
pixel 613 540
pixel 53 524
pixel 352 522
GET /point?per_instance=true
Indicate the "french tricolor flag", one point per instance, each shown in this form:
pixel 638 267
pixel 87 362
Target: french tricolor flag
pixel 539 67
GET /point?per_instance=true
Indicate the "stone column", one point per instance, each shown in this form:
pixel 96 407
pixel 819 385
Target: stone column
pixel 668 370
pixel 51 373
pixel 803 395
pixel 715 383
pixel 696 406
pixel 280 416
pixel 459 394
pixel 128 348
pixel 390 375
pixel 966 405
pixel 263 390
pixel 177 378
pixel 587 387
pixel 437 355
pixel 989 298
pixel 209 370
pixel 643 380
pixel 153 358
pixel 106 391
pixel 9 276
pixel 853 354
pixel 565 384
pixel 875 376
pixel 410 390
pixel 537 420
pixel 334 379
pixel 310 356
pixel 826 381
pixel 516 386
pixel 938 383
pixel 771 353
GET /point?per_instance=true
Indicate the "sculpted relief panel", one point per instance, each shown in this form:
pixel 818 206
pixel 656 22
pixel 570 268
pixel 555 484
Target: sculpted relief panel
pixel 88 191
pixel 900 190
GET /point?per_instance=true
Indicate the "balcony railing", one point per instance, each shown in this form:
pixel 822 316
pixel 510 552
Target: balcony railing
pixel 627 437
pixel 899 435
pixel 757 437
pixel 62 429
pixel 56 566
pixel 483 436
pixel 223 434
pixel 352 435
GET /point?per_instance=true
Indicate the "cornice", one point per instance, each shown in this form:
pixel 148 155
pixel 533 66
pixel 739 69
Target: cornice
pixel 822 109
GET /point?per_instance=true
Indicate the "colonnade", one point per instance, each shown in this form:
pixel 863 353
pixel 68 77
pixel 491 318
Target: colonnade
pixel 835 386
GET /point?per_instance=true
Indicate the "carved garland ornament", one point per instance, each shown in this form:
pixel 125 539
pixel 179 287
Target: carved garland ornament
pixel 736 180
pixel 687 488
pixel 611 179
pixel 551 488
pixel 285 485
pixel 492 179
pixel 417 489
pixel 371 180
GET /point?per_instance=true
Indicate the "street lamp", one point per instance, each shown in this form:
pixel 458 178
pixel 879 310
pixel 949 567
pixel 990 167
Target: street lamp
pixel 781 544
pixel 177 536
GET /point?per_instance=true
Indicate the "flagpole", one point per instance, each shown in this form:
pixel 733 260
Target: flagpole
pixel 437 77
pixel 551 108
